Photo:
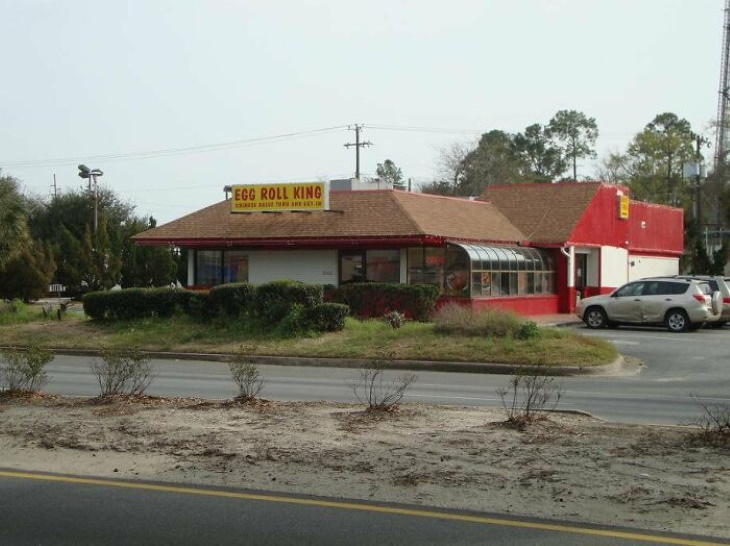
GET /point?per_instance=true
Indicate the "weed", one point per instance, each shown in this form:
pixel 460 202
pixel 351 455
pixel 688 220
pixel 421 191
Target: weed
pixel 395 319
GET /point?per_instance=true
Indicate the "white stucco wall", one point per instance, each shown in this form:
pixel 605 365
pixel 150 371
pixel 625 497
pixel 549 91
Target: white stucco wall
pixel 651 266
pixel 310 266
pixel 613 266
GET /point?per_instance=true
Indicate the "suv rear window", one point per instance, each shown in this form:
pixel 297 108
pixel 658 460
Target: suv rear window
pixel 675 287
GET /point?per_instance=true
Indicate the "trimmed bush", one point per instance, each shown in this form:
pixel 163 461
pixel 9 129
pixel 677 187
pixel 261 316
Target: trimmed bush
pixel 134 303
pixel 96 305
pixel 274 301
pixel 328 317
pixel 232 299
pixel 415 301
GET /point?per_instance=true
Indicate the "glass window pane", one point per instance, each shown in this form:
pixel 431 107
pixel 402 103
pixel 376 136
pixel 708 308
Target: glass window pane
pixel 522 282
pixel 351 267
pixel 476 284
pixel 235 266
pixel 208 267
pixel 383 265
pixel 504 289
pixel 513 284
pixel 457 270
pixel 415 266
pixel 434 266
pixel 496 284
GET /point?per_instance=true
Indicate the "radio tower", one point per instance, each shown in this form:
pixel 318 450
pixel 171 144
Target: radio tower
pixel 722 143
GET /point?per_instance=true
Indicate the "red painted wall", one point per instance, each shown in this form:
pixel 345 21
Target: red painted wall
pixel 656 229
pixel 600 223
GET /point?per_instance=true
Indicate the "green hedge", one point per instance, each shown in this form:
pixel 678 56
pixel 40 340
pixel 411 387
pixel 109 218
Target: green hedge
pixel 273 301
pixel 294 306
pixel 232 299
pixel 328 317
pixel 133 303
pixel 416 301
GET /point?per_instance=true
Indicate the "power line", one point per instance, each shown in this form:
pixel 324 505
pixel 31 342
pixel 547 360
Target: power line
pixel 121 156
pixel 416 129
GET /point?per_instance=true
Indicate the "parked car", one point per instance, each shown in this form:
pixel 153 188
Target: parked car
pixel 679 304
pixel 719 284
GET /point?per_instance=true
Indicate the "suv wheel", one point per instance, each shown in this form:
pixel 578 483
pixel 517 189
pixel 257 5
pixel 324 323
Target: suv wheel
pixel 677 321
pixel 595 318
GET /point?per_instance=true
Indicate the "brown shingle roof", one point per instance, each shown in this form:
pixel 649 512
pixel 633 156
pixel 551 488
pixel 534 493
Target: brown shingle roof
pixel 545 213
pixel 364 214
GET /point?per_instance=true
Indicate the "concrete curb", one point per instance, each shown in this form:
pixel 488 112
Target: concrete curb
pixel 614 368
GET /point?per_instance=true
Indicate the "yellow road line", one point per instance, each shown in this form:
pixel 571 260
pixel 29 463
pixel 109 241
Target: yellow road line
pixel 361 507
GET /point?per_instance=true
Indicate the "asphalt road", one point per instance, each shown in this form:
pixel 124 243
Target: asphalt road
pixel 47 509
pixel 678 367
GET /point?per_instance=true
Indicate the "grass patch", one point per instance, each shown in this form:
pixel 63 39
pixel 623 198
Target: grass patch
pixel 17 312
pixel 359 339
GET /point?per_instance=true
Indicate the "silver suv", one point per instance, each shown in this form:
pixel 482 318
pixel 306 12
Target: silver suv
pixel 678 304
pixel 719 284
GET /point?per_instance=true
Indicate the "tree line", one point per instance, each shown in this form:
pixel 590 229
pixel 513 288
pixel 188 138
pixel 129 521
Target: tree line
pixel 652 166
pixel 53 240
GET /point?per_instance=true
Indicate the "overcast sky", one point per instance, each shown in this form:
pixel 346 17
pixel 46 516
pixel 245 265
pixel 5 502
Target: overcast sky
pixel 114 84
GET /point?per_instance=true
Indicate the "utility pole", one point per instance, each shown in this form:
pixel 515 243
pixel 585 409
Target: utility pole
pixel 55 187
pixel 357 144
pixel 698 210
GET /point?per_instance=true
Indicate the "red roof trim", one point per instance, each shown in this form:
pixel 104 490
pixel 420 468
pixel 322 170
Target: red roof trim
pixel 324 242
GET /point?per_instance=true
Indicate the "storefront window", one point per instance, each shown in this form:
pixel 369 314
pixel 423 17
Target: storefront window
pixel 501 271
pixel 235 266
pixel 378 265
pixel 426 265
pixel 352 267
pixel 383 265
pixel 208 267
pixel 456 272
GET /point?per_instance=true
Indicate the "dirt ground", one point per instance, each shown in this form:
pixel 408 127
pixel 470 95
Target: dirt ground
pixel 570 466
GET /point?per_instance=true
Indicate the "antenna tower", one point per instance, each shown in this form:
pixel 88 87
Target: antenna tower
pixel 722 143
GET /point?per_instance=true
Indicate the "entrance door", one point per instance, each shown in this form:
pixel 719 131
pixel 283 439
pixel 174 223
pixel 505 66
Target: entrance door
pixel 581 268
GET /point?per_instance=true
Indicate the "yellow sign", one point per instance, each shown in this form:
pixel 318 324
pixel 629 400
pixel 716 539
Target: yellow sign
pixel 623 207
pixel 279 197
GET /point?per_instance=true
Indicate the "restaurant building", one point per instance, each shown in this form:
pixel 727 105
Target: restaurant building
pixel 531 248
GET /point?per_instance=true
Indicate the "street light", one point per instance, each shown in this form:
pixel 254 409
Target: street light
pixel 91 175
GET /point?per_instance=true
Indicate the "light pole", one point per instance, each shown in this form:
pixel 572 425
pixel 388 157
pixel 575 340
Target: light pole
pixel 91 175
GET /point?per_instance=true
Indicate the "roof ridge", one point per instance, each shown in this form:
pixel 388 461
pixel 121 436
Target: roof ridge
pixel 407 214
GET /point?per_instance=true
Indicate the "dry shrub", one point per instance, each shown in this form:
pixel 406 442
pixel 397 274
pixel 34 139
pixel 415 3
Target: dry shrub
pixel 460 320
pixel 529 395
pixel 714 422
pixel 246 375
pixel 122 371
pixel 378 393
pixel 23 369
